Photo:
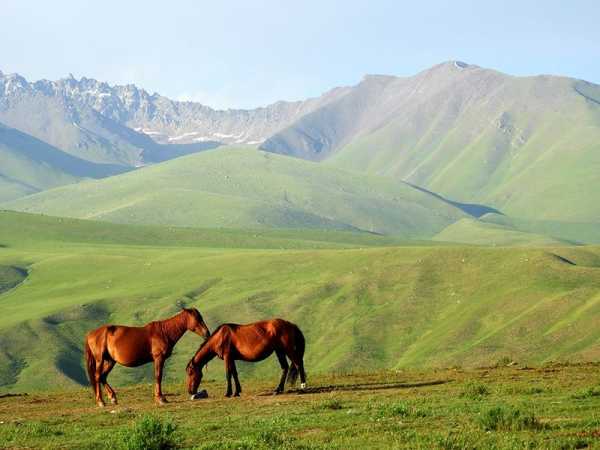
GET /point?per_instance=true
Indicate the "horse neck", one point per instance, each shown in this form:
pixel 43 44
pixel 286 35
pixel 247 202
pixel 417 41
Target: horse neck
pixel 175 327
pixel 204 354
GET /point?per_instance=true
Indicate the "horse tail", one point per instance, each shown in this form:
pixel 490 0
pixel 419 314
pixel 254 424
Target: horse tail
pixel 90 363
pixel 298 364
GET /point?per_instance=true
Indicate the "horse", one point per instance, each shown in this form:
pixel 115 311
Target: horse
pixel 135 346
pixel 252 342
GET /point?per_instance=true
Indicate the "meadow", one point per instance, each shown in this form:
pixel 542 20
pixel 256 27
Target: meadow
pixel 517 407
pixel 384 319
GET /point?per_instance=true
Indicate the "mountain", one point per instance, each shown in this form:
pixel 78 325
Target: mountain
pixel 246 188
pixel 30 165
pixel 524 147
pixel 527 146
pixel 100 122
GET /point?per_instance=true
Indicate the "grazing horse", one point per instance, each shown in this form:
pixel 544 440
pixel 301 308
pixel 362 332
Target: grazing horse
pixel 135 346
pixel 252 342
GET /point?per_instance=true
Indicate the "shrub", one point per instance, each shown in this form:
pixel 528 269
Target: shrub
pixel 150 433
pixel 504 361
pixel 475 391
pixel 505 418
pixel 332 403
pixel 586 393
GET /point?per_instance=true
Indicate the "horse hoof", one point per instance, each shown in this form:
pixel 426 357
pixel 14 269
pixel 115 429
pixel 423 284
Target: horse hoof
pixel 237 394
pixel 302 386
pixel 113 401
pixel 101 404
pixel 162 401
pixel 228 394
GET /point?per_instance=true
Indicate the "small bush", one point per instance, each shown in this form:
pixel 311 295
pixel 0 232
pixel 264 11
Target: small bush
pixel 332 403
pixel 571 443
pixel 533 390
pixel 504 418
pixel 475 391
pixel 504 361
pixel 587 393
pixel 150 433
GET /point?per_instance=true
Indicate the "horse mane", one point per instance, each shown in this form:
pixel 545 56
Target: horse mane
pixel 173 327
pixel 205 343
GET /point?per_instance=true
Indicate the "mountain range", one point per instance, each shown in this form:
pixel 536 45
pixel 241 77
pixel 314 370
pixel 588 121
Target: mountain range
pixel 482 143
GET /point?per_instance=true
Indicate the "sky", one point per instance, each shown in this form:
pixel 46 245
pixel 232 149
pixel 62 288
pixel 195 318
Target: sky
pixel 243 54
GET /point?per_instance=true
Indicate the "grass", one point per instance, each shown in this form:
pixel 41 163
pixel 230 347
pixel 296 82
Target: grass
pixel 472 231
pixel 411 409
pixel 392 307
pixel 247 188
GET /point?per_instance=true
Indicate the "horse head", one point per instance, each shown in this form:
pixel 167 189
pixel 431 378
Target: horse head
pixel 195 322
pixel 194 377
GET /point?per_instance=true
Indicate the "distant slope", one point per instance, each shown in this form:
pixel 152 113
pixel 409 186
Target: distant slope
pixel 565 230
pixel 393 307
pixel 19 230
pixel 242 188
pixel 527 146
pixel 29 165
pixel 471 231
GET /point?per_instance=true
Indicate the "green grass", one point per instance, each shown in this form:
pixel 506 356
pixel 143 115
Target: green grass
pixel 407 409
pixel 246 188
pixel 361 307
pixel 473 231
pixel 567 230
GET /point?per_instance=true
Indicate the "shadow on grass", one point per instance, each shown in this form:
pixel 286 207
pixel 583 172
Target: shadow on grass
pixel 361 387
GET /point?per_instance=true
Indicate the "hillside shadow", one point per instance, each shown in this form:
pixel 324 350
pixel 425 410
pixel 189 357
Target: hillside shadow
pixel 375 386
pixel 473 209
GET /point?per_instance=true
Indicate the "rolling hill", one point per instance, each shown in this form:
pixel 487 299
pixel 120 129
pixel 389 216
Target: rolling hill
pixel 30 165
pixel 361 308
pixel 245 188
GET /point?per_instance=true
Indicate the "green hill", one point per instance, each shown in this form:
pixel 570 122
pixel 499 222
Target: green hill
pixel 360 308
pixel 30 165
pixel 246 188
pixel 566 230
pixel 472 231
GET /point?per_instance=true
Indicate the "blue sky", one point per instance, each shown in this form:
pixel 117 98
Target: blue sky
pixel 232 53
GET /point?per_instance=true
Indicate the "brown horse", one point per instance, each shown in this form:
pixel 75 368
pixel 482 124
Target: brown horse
pixel 135 346
pixel 252 342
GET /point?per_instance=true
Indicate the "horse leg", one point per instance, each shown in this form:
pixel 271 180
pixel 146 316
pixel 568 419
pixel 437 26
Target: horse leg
pixel 302 375
pixel 238 387
pixel 228 374
pixel 298 362
pixel 284 370
pixel 159 363
pixel 106 368
pixel 98 382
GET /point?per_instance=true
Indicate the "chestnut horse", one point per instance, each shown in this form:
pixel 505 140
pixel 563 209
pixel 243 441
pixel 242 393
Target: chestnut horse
pixel 135 346
pixel 252 342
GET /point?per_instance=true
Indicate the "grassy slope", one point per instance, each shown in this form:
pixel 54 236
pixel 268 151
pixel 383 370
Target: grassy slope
pixel 30 165
pixel 406 410
pixel 360 308
pixel 241 188
pixel 526 146
pixel 472 231
pixel 571 231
